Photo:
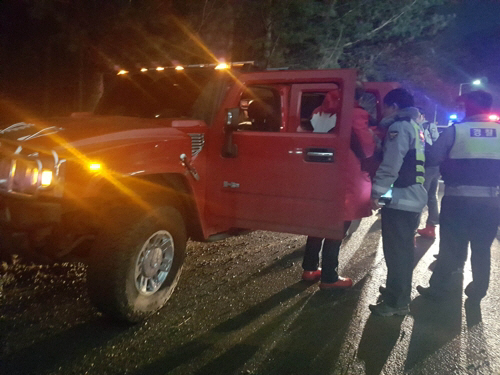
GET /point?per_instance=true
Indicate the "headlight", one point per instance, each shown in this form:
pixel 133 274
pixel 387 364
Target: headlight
pixel 24 176
pixel 46 179
pixel 27 173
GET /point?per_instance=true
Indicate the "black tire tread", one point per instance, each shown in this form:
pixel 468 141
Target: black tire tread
pixel 109 262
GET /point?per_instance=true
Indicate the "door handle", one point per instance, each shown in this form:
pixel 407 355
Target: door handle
pixel 319 155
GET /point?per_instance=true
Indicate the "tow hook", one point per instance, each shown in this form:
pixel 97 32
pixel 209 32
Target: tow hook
pixel 189 167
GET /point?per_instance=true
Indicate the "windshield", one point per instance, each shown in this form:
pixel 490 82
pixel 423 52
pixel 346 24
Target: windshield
pixel 194 94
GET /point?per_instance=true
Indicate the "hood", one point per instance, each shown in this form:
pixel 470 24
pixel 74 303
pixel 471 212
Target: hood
pixel 411 112
pixel 89 130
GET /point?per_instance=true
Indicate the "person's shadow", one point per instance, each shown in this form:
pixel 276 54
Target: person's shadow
pixel 473 314
pixel 436 324
pixel 379 338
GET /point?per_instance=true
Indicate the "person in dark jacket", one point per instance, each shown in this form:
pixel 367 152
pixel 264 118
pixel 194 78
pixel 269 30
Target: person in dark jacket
pixel 402 169
pixel 469 155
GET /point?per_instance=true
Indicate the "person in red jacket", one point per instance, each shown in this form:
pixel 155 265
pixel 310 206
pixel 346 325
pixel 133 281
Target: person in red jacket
pixel 357 193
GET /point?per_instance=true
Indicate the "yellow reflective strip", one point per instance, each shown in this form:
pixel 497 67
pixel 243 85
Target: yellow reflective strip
pixel 420 156
pixel 420 168
pixel 420 180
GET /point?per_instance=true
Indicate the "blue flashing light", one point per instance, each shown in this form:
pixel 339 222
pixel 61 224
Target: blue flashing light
pixel 453 117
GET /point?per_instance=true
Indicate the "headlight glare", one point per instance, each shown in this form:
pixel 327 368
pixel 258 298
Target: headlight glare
pixel 46 177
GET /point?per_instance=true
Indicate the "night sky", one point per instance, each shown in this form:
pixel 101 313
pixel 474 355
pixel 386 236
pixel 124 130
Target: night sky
pixel 468 49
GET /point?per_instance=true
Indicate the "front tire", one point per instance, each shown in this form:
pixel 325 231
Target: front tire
pixel 136 262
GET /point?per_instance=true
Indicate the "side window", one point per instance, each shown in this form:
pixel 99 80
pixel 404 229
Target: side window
pixel 260 109
pixel 319 111
pixel 368 102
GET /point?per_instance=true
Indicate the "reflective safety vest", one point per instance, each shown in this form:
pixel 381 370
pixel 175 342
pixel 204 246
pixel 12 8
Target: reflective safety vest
pixel 474 159
pixel 412 171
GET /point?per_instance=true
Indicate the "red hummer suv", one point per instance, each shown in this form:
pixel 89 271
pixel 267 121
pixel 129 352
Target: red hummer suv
pixel 169 155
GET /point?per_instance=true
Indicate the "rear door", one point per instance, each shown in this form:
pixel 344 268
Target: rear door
pixel 285 178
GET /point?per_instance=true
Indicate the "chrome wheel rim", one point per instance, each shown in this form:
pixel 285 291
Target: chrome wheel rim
pixel 154 262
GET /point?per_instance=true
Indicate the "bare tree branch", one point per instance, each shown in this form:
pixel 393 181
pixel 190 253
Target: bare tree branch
pixel 384 24
pixel 334 49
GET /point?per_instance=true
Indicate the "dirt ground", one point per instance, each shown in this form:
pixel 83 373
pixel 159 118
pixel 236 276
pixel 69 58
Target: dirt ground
pixel 240 308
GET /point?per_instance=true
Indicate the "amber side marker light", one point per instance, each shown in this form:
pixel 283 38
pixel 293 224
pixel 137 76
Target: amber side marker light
pixel 95 167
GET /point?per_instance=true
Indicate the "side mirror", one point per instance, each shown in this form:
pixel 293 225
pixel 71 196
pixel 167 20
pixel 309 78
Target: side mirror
pixel 230 150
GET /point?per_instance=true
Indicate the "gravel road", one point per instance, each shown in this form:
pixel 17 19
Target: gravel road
pixel 240 308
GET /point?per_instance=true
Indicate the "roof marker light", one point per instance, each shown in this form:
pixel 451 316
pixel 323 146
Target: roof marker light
pixel 160 68
pixel 222 66
pixel 121 72
pixel 179 67
pixel 144 69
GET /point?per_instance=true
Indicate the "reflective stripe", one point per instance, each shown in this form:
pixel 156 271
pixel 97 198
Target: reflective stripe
pixel 408 203
pixel 476 140
pixel 420 155
pixel 472 191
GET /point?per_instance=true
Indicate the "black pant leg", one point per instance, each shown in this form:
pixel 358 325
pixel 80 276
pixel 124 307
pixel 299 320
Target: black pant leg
pixel 453 244
pixel 398 230
pixel 432 202
pixel 484 221
pixel 330 260
pixel 311 254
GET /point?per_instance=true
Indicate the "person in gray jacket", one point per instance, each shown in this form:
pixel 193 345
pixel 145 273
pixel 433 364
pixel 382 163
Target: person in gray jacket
pixel 402 169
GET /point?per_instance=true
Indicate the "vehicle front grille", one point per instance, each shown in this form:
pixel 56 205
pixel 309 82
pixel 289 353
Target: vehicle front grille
pixel 197 143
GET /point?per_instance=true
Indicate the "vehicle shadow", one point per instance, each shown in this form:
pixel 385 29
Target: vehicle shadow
pixel 232 359
pixel 312 330
pixel 208 341
pixel 61 349
pixel 313 342
pixel 283 262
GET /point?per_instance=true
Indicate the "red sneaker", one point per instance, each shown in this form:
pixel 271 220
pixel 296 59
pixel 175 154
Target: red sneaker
pixel 311 275
pixel 428 231
pixel 341 283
